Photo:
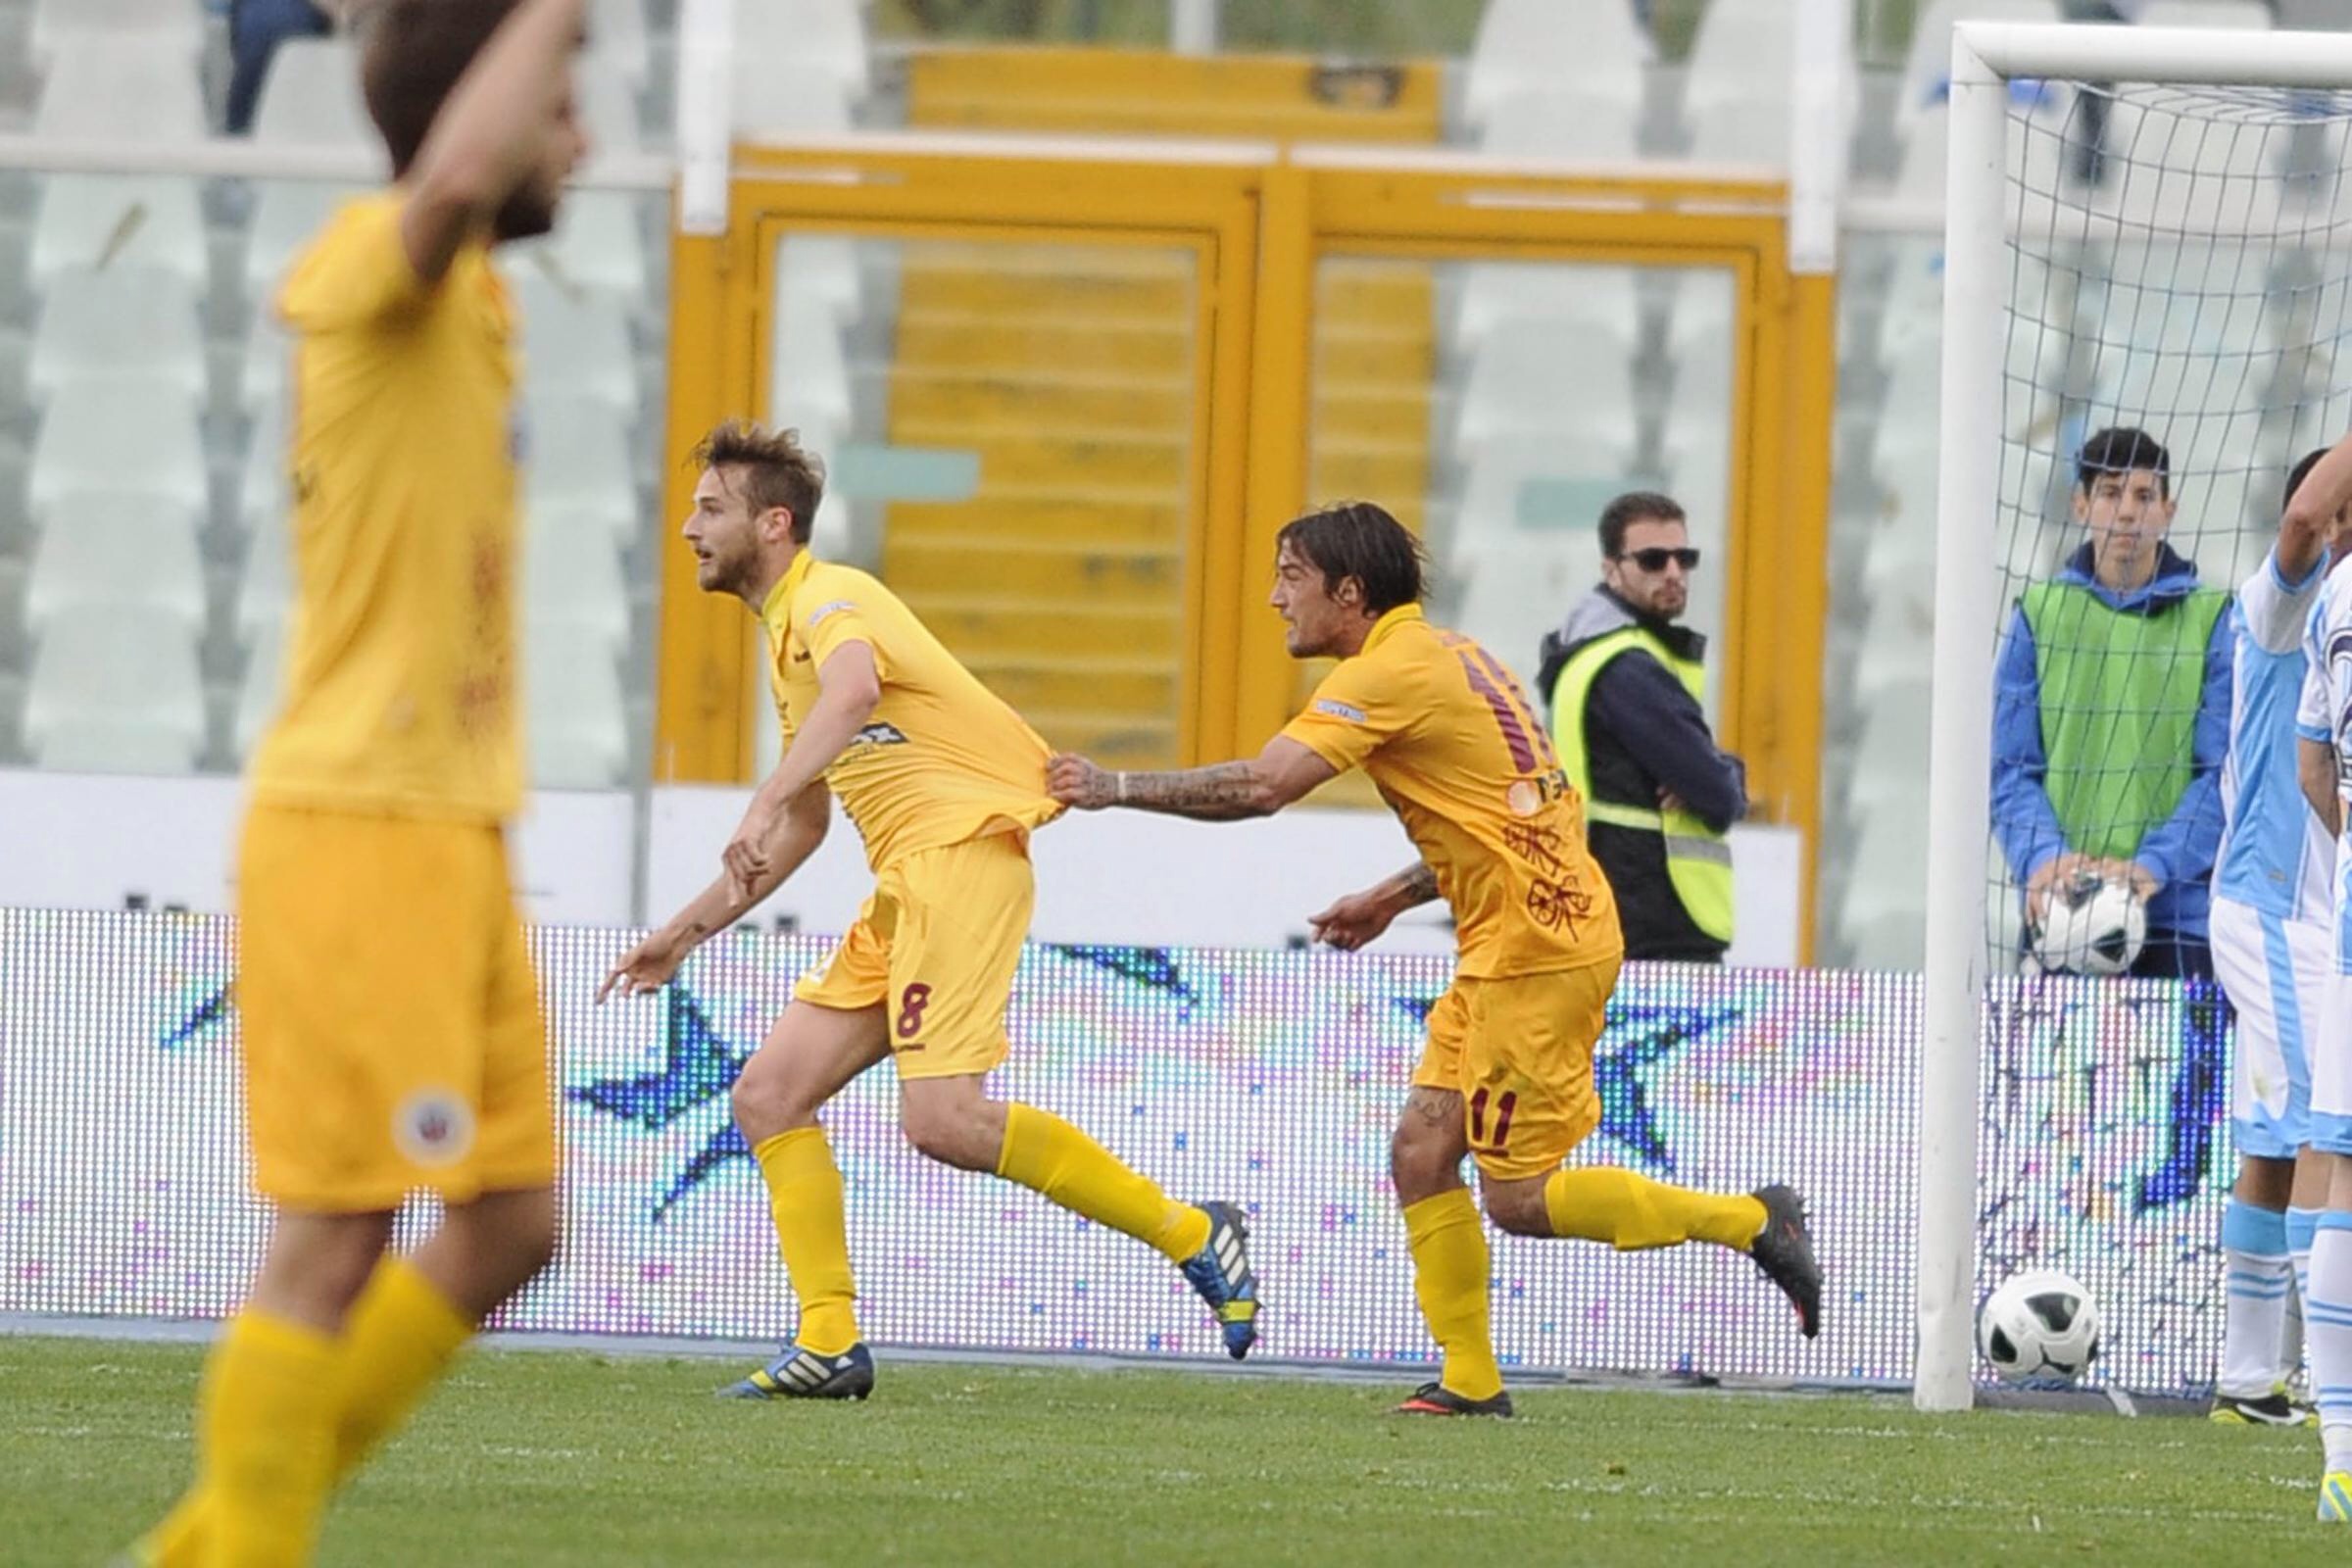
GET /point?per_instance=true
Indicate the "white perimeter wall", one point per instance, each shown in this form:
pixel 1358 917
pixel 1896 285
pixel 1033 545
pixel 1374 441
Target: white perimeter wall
pixel 92 842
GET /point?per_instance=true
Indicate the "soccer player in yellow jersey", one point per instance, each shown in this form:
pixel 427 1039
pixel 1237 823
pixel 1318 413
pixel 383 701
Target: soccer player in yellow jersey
pixel 1506 1076
pixel 944 783
pixel 390 1023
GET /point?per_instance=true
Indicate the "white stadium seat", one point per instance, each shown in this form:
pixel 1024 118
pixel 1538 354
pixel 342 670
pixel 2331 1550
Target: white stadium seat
pixel 1496 295
pixel 579 460
pixel 1542 480
pixel 607 107
pixel 1549 377
pixel 1744 129
pixel 172 25
pixel 113 689
pixel 821 268
pixel 101 89
pixel 811 377
pixel 1575 50
pixel 311 97
pixel 571 577
pixel 135 438
pixel 1927 76
pixel 576 344
pixel 598 244
pixel 263 684
pixel 116 552
pixel 88 222
pixel 1745 48
pixel 577 723
pixel 778 98
pixel 616 37
pixel 287 216
pixel 822 36
pixel 118 326
pixel 1544 125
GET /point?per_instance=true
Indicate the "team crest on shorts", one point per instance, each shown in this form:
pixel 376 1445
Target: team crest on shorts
pixel 433 1127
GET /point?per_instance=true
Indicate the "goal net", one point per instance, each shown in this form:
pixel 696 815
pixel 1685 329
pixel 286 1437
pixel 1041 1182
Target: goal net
pixel 2149 252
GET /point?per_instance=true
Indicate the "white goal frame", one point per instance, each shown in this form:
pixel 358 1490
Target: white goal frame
pixel 1986 58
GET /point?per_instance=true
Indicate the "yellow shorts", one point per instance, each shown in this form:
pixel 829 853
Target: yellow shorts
pixel 1519 1051
pixel 391 1020
pixel 937 945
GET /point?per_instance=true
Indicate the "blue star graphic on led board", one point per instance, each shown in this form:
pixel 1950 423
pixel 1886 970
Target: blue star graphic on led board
pixel 698 1066
pixel 1153 968
pixel 213 1006
pixel 1634 1038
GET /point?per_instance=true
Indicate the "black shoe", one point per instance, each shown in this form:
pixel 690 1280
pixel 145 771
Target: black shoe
pixel 2272 1409
pixel 1435 1399
pixel 1784 1251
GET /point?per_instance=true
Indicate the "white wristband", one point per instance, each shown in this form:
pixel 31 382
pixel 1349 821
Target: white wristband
pixel 1122 775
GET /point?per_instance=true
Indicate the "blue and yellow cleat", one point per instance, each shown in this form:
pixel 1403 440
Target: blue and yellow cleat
pixel 1221 1272
pixel 800 1374
pixel 2335 1498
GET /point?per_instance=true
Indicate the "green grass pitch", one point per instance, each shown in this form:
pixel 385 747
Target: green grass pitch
pixel 542 1458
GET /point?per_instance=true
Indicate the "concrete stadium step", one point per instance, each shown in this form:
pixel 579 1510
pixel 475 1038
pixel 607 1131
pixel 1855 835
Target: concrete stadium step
pixel 1068 516
pixel 1375 292
pixel 1007 628
pixel 1150 576
pixel 966 340
pixel 1354 412
pixel 1039 400
pixel 1389 472
pixel 1133 688
pixel 1091 284
pixel 1140 91
pixel 1115 740
pixel 1079 463
pixel 1366 357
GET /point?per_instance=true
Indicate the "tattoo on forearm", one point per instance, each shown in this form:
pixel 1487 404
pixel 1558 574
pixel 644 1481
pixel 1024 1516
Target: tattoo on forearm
pixel 1227 788
pixel 1419 884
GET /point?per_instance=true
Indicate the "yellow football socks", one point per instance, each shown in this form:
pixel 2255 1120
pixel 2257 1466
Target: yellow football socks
pixel 266 1421
pixel 803 1195
pixel 1449 1280
pixel 397 1341
pixel 1048 1156
pixel 1602 1204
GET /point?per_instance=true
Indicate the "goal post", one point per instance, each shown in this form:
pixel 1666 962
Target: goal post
pixel 1989 62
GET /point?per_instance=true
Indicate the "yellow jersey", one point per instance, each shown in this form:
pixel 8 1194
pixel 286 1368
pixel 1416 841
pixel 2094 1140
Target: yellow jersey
pixel 1457 751
pixel 943 759
pixel 400 686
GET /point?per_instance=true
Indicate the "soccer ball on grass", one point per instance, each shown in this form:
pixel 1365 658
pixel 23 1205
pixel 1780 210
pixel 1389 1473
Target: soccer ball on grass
pixel 2040 1326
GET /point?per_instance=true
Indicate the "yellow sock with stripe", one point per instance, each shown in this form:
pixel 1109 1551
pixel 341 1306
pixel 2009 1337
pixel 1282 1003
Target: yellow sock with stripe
pixel 1630 1212
pixel 1451 1270
pixel 1048 1156
pixel 266 1428
pixel 397 1342
pixel 812 1229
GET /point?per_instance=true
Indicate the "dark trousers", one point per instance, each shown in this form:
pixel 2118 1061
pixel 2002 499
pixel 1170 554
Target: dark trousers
pixel 2196 1103
pixel 256 27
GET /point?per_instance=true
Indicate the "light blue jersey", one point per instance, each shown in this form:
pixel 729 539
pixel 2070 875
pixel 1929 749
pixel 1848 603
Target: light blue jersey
pixel 2276 856
pixel 2327 716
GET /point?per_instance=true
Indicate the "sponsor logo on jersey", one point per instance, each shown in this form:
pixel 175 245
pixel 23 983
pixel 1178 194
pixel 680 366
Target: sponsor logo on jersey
pixel 818 616
pixel 1339 710
pixel 879 735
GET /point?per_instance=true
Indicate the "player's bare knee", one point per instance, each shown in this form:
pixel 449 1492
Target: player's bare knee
pixel 955 1126
pixel 1516 1207
pixel 764 1100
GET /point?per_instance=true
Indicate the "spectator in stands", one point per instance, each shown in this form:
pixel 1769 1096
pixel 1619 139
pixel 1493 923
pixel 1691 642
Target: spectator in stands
pixel 2111 710
pixel 256 27
pixel 1624 685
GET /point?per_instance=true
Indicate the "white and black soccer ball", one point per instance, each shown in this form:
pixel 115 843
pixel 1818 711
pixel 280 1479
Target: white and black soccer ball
pixel 2040 1326
pixel 2091 926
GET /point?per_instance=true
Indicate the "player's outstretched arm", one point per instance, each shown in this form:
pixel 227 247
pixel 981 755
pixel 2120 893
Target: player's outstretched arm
pixel 849 684
pixel 2315 771
pixel 1359 917
pixel 2325 491
pixel 649 966
pixel 491 135
pixel 1224 792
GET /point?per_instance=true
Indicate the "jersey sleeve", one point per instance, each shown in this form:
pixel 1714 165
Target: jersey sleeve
pixel 2314 708
pixel 1357 709
pixel 357 271
pixel 2274 610
pixel 829 618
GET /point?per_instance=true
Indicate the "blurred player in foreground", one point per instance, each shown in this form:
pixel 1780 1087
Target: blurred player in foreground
pixel 391 1023
pixel 1506 1076
pixel 944 783
pixel 2272 894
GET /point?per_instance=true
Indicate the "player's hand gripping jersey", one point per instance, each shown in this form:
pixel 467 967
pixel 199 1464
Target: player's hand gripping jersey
pixel 400 691
pixel 1453 743
pixel 943 759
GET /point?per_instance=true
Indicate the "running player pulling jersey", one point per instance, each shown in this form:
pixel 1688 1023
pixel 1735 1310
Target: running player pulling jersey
pixel 2276 856
pixel 400 691
pixel 943 759
pixel 1446 733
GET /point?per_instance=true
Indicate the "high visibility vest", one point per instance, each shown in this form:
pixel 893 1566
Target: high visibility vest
pixel 1698 859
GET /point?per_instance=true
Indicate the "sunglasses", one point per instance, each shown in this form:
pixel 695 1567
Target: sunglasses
pixel 1655 559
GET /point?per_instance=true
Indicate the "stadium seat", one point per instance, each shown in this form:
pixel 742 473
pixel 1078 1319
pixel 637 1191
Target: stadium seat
pixel 287 215
pixel 118 552
pixel 1539 482
pixel 580 461
pixel 607 106
pixel 577 723
pixel 266 585
pixel 263 684
pixel 571 577
pixel 1510 596
pixel 311 97
pixel 1744 129
pixel 1498 294
pixel 132 438
pixel 822 36
pixel 1538 46
pixel 821 268
pixel 811 378
pixel 269 360
pixel 576 344
pixel 1744 50
pixel 88 222
pixel 616 38
pixel 115 690
pixel 1927 76
pixel 174 24
pixel 1549 377
pixel 1547 126
pixel 598 243
pixel 103 90
pixel 777 98
pixel 118 326
pixel 261 476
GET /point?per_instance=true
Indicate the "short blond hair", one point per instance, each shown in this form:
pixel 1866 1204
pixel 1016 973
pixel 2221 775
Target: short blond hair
pixel 777 470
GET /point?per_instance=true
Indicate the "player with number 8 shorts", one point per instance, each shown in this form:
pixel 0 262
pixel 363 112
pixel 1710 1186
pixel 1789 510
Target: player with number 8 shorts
pixel 945 783
pixel 1507 1075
